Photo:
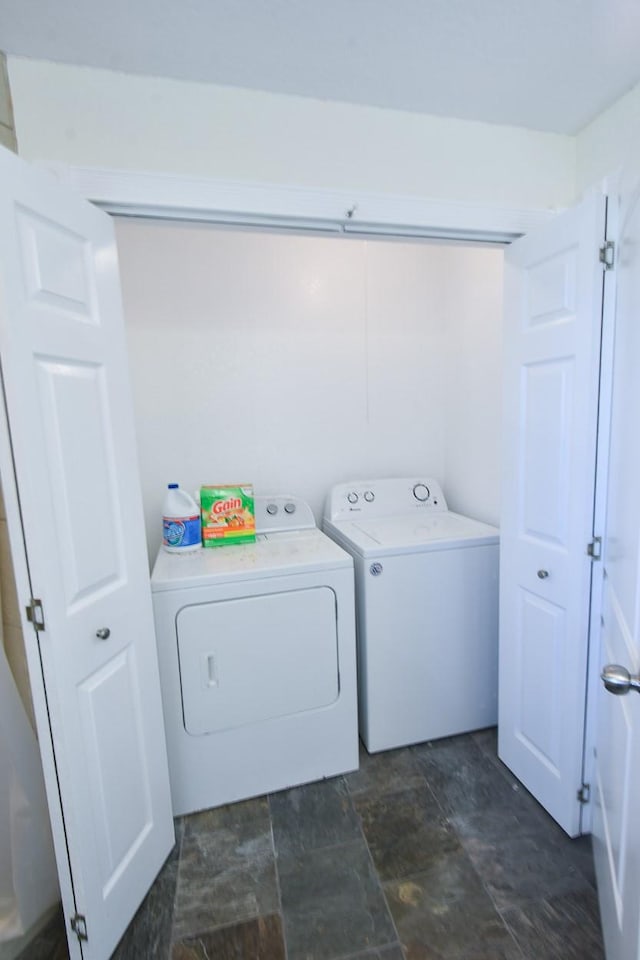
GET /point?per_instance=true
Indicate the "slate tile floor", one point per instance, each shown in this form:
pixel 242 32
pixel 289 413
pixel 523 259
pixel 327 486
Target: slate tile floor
pixel 433 852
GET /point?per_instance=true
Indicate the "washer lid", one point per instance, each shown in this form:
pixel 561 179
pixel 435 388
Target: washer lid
pixel 272 555
pixel 413 534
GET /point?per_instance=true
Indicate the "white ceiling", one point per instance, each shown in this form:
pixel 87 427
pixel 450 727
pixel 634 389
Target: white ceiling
pixel 544 64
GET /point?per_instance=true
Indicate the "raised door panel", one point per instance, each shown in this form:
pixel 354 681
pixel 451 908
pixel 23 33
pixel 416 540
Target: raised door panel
pixel 547 391
pixel 57 266
pixel 551 290
pixel 541 639
pixel 84 488
pixel 112 725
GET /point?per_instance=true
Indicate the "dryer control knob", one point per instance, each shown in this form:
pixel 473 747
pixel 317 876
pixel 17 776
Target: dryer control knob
pixel 289 508
pixel 369 496
pixel 421 492
pixel 352 497
pixel 272 509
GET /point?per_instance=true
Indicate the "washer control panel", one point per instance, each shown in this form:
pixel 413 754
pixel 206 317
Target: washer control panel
pixel 384 498
pixel 421 492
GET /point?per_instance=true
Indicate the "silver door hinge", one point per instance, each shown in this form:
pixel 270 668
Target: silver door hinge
pixel 608 254
pixel 35 613
pixel 594 548
pixel 79 926
pixel 584 793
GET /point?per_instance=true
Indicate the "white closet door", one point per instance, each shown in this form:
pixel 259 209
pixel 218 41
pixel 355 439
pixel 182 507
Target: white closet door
pixel 553 307
pixel 70 418
pixel 616 839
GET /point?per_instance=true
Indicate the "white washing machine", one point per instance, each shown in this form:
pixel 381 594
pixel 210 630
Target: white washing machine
pixel 426 610
pixel 256 645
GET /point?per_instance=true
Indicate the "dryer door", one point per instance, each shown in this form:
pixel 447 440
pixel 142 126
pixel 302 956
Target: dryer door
pixel 255 658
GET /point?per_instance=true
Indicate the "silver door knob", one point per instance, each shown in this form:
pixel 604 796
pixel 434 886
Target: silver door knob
pixel 618 680
pixel 103 633
pixel 543 574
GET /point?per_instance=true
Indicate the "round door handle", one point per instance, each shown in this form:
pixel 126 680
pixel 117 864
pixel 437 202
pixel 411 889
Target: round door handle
pixel 543 574
pixel 618 680
pixel 103 633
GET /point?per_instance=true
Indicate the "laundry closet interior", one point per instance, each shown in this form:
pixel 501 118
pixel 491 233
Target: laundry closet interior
pixel 295 361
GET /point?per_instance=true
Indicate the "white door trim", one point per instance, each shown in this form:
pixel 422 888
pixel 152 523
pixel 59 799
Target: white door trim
pixel 171 196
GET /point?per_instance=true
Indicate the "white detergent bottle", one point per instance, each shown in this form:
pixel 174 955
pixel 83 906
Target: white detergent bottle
pixel 181 526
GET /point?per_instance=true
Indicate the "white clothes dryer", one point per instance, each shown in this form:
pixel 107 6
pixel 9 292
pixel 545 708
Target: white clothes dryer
pixel 426 610
pixel 256 646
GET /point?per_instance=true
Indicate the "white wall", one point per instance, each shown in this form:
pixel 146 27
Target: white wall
pixel 93 117
pixel 603 147
pixel 473 393
pixel 296 362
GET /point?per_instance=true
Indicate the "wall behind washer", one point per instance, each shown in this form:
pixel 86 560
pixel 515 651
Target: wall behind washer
pixel 473 391
pixel 297 361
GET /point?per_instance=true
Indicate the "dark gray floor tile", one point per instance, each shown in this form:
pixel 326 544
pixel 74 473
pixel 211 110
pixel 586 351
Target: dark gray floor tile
pixel 391 952
pixel 379 773
pixel 463 778
pixel 149 933
pixel 405 832
pixel 580 850
pixel 491 825
pixel 258 939
pixel 233 817
pixel 447 866
pixel 446 914
pixel 487 741
pixel 50 943
pixel 521 859
pixel 491 949
pixel 313 816
pixel 227 868
pixel 559 928
pixel 332 903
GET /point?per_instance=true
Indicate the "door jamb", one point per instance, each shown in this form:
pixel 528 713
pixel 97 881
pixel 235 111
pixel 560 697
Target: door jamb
pixel 342 213
pixel 170 197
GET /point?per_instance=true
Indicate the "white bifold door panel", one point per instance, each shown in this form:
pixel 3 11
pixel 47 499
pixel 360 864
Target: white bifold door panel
pixel 69 412
pixel 616 789
pixel 553 307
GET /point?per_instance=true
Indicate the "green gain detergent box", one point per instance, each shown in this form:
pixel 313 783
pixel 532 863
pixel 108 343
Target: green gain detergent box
pixel 228 515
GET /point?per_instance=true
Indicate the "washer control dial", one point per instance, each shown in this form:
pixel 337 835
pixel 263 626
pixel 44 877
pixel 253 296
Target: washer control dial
pixel 272 509
pixel 289 507
pixel 369 496
pixel 352 497
pixel 421 492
